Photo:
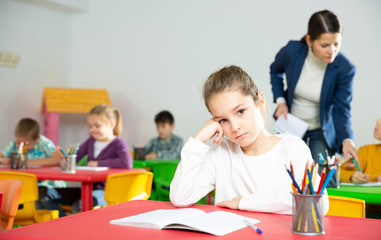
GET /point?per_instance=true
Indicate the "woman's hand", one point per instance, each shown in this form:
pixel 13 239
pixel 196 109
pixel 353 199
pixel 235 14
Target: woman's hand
pixel 349 148
pixel 358 178
pixel 233 203
pixel 209 130
pixel 281 110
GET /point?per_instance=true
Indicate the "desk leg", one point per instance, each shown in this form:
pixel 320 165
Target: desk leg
pixel 87 196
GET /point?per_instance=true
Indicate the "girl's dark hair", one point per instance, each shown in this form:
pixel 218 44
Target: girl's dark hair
pixel 229 78
pixel 108 114
pixel 322 22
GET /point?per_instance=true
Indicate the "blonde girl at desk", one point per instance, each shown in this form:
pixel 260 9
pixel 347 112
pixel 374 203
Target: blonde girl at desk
pixel 247 168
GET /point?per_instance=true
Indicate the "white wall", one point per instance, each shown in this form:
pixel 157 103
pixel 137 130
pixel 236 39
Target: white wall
pixel 40 37
pixel 155 55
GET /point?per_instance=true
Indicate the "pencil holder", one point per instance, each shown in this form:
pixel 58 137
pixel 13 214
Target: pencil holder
pixel 18 161
pixel 139 153
pixel 307 216
pixel 335 180
pixel 68 163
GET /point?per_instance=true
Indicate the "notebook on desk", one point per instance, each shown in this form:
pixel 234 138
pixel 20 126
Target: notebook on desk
pixel 217 223
pixel 91 168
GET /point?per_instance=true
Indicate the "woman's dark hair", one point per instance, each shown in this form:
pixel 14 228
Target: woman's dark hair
pixel 322 22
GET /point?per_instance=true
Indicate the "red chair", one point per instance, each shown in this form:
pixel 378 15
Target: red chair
pixel 11 189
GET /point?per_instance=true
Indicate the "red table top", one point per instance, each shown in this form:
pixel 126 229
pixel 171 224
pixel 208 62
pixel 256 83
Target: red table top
pixel 95 225
pixel 54 173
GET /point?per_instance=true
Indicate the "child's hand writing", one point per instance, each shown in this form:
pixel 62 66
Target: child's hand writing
pixel 358 178
pixel 378 179
pixel 232 204
pixel 209 130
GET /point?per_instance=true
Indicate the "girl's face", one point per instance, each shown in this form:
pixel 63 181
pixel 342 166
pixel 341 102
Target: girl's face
pixel 377 130
pixel 241 119
pixel 326 47
pixel 99 129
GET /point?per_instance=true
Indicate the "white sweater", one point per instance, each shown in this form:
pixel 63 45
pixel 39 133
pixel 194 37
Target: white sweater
pixel 262 181
pixel 306 101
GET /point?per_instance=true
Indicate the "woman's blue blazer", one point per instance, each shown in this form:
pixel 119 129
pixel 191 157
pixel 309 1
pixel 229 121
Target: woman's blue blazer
pixel 336 92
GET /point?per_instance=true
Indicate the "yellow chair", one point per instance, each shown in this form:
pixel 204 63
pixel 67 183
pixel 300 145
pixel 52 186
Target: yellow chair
pixel 346 207
pixel 123 187
pixel 27 212
pixel 11 189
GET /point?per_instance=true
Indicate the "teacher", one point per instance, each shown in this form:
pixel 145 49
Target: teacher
pixel 319 86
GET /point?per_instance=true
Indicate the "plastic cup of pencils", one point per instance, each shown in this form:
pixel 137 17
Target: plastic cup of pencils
pixel 335 180
pixel 18 161
pixel 68 163
pixel 307 216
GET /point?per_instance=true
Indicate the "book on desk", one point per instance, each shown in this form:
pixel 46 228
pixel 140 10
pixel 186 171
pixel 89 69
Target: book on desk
pixel 89 168
pixel 217 223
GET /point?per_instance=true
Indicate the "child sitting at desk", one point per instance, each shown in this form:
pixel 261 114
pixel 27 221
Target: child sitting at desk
pixel 166 145
pixel 104 147
pixel 370 162
pixel 247 170
pixel 39 150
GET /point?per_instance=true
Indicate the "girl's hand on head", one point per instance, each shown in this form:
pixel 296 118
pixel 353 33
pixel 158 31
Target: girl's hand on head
pixel 358 178
pixel 232 204
pixel 349 148
pixel 209 130
pixel 281 110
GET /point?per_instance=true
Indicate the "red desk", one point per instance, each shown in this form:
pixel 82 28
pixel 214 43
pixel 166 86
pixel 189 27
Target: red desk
pixel 1 199
pixel 95 225
pixel 86 177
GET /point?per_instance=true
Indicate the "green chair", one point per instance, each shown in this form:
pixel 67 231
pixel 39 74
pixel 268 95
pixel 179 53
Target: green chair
pixel 164 172
pixel 139 164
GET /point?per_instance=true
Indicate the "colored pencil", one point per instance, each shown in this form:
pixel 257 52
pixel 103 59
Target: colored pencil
pixel 357 166
pixel 321 180
pixel 293 180
pixel 310 182
pixel 304 177
pixel 292 172
pixel 328 179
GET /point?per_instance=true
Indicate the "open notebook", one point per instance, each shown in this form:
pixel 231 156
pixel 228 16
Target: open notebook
pixel 217 223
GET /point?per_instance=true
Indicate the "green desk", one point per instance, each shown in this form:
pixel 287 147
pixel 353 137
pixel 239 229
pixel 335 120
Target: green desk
pixel 371 195
pixel 162 175
pixel 151 163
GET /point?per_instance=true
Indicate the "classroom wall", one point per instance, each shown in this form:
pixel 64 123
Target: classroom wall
pixel 155 55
